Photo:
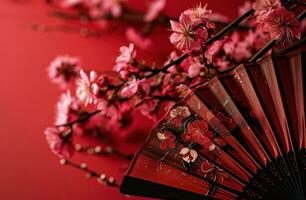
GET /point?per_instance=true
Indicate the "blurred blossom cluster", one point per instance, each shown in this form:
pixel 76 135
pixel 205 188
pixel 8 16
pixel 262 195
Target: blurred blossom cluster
pixel 104 11
pixel 92 98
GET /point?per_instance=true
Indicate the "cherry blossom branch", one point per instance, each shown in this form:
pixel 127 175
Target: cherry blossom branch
pixel 167 66
pixel 226 29
pixel 272 43
pixel 130 15
pixel 102 151
pixel 102 178
pixel 81 119
pixel 209 41
pixel 263 51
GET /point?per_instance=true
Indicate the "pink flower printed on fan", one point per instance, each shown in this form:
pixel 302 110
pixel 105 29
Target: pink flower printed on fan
pixel 63 70
pixel 213 172
pixel 167 140
pixel 86 88
pixel 226 121
pixel 180 111
pixel 155 8
pixel 264 7
pixel 281 25
pixel 138 39
pixel 198 131
pixel 185 36
pixel 188 155
pixel 178 115
pixel 130 89
pixel 59 141
pixel 182 90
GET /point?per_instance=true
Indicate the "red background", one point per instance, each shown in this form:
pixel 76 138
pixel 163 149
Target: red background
pixel 28 170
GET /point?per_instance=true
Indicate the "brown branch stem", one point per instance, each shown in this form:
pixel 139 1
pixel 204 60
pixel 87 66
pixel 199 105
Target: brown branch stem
pixel 81 119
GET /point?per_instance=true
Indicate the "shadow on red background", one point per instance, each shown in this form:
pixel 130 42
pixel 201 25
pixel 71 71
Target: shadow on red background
pixel 28 170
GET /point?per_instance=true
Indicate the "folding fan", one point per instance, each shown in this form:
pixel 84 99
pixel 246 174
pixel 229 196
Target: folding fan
pixel 240 135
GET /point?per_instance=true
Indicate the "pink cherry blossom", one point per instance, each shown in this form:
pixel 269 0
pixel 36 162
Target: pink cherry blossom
pixel 66 109
pixel 281 25
pixel 213 50
pixel 264 7
pixel 139 40
pixel 98 8
pixel 127 54
pixel 188 155
pixel 256 39
pixel 113 6
pixel 155 8
pixel 124 62
pixel 218 17
pixel 173 69
pixel 222 64
pixel 185 37
pixel 63 70
pixel 86 88
pixel 124 107
pixel 242 52
pixel 198 15
pixel 148 109
pixel 95 8
pixel 195 69
pixel 70 3
pixel 59 145
pixel 247 5
pixel 109 110
pixel 130 89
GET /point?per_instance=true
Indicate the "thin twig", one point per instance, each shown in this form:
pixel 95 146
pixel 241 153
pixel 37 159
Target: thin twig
pixel 81 119
pixel 230 26
pixel 109 181
pixel 263 51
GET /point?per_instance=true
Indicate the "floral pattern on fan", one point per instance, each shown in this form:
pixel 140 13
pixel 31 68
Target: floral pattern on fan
pixel 183 125
pixel 212 172
pixel 167 140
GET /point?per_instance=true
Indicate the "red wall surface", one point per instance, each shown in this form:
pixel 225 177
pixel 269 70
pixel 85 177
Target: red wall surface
pixel 28 169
